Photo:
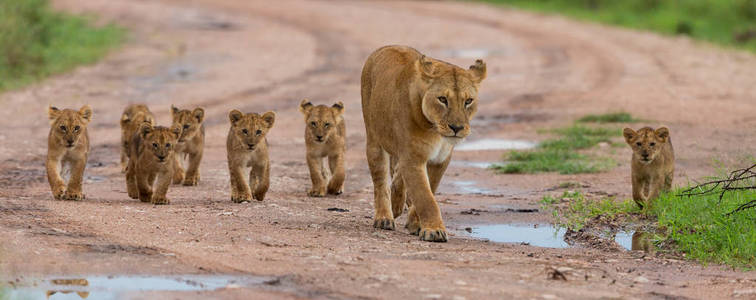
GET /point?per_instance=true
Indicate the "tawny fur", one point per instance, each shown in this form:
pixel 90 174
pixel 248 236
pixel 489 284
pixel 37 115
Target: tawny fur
pixel 133 117
pixel 247 150
pixel 152 163
pixel 191 144
pixel 325 134
pixel 653 163
pixel 415 109
pixel 67 146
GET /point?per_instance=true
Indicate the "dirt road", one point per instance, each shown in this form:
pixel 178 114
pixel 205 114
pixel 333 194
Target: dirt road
pixel 256 56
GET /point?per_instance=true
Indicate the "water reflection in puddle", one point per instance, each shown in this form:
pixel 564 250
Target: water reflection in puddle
pixel 469 187
pixel 539 235
pixel 638 240
pixel 117 287
pixel 472 164
pixel 495 144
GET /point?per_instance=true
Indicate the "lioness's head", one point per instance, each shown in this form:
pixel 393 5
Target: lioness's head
pixel 250 129
pixel 159 140
pixel 646 142
pixel 321 120
pixel 66 126
pixel 190 122
pixel 450 97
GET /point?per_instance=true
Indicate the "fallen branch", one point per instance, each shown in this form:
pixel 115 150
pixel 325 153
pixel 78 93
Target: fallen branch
pixel 738 180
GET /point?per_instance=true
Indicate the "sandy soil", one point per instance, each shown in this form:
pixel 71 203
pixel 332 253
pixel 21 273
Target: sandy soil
pixel 544 71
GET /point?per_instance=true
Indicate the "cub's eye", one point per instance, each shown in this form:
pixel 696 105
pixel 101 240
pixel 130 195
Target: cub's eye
pixel 468 101
pixel 652 144
pixel 327 125
pixel 186 126
pixel 443 100
pixel 245 131
pixel 168 145
pixel 154 145
pixel 313 124
pixel 63 128
pixel 258 132
pixel 77 127
pixel 639 144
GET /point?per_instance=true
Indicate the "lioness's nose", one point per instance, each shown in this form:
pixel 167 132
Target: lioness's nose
pixel 456 128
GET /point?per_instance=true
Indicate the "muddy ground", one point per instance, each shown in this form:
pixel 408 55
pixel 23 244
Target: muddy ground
pixel 544 71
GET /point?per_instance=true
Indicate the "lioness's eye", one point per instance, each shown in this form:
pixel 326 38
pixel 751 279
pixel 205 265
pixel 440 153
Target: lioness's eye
pixel 443 100
pixel 77 127
pixel 186 126
pixel 652 144
pixel 258 132
pixel 313 124
pixel 468 101
pixel 327 124
pixel 63 128
pixel 639 143
pixel 154 145
pixel 245 132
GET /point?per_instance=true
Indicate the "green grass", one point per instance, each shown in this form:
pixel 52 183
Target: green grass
pixel 720 22
pixel 618 117
pixel 561 154
pixel 580 210
pixel 36 42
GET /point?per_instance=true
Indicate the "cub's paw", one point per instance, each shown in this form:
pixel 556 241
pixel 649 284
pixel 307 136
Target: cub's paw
pixel 316 192
pixel 384 223
pixel 124 168
pixel 178 176
pixel 433 235
pixel 191 181
pixel 58 193
pixel 241 198
pixel 73 196
pixel 259 196
pixel 133 193
pixel 335 190
pixel 144 197
pixel 160 200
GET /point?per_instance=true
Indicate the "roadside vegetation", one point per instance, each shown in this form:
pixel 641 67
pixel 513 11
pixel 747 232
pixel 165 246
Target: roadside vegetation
pixel 725 22
pixel 36 42
pixel 564 153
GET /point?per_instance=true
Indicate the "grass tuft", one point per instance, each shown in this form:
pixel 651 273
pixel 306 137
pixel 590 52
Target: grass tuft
pixel 36 42
pixel 581 210
pixel 618 117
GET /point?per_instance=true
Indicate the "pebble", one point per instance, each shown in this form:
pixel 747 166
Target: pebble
pixel 640 279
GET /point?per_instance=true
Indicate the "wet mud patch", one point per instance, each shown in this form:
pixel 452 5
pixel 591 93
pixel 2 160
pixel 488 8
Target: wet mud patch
pixel 115 248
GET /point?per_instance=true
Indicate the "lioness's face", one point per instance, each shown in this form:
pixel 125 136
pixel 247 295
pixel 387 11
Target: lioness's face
pixel 646 142
pixel 451 97
pixel 250 129
pixel 321 121
pixel 190 122
pixel 67 125
pixel 159 141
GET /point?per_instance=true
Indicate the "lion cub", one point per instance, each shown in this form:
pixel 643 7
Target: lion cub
pixel 152 151
pixel 325 134
pixel 67 145
pixel 133 116
pixel 653 162
pixel 191 143
pixel 247 147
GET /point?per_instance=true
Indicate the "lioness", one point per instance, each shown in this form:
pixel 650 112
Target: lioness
pixel 247 147
pixel 152 151
pixel 67 145
pixel 191 143
pixel 653 162
pixel 133 116
pixel 416 109
pixel 325 135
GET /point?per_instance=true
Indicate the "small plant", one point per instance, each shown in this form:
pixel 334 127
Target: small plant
pixel 580 210
pixel 618 117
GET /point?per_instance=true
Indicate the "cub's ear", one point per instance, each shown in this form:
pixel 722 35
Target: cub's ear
pixel 145 129
pixel 86 113
pixel 270 118
pixel 53 112
pixel 174 110
pixel 662 133
pixel 629 135
pixel 338 107
pixel 305 106
pixel 478 71
pixel 234 116
pixel 199 114
pixel 125 119
pixel 426 67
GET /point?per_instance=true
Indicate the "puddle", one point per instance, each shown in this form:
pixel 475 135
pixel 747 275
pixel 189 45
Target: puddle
pixel 540 235
pixel 117 287
pixel 472 164
pixel 469 187
pixel 495 144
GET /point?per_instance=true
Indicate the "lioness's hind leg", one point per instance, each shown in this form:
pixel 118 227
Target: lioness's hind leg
pixel 378 161
pixel 413 222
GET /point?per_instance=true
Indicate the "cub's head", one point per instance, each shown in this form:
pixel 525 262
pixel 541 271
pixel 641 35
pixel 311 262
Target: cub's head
pixel 133 119
pixel 250 129
pixel 190 122
pixel 66 126
pixel 322 121
pixel 450 97
pixel 646 142
pixel 159 140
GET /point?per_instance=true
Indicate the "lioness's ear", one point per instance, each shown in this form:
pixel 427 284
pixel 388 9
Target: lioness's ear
pixel 145 129
pixel 305 106
pixel 629 135
pixel 339 107
pixel 174 110
pixel 662 133
pixel 53 112
pixel 478 71
pixel 86 113
pixel 270 118
pixel 199 114
pixel 234 116
pixel 426 68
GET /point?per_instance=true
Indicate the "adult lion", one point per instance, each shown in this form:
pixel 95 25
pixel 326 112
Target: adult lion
pixel 416 109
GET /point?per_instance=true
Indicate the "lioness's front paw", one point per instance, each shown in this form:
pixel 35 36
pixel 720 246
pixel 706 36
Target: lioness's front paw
pixel 433 235
pixel 241 198
pixel 159 200
pixel 191 181
pixel 317 192
pixel 384 223
pixel 75 196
